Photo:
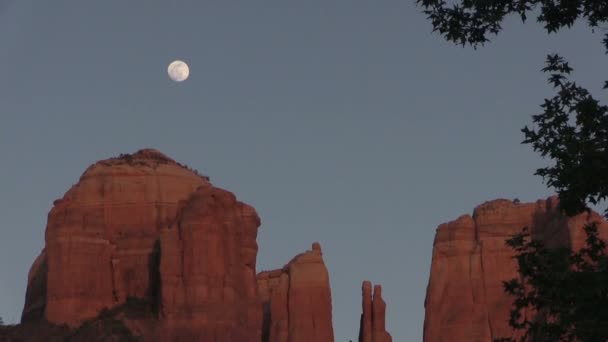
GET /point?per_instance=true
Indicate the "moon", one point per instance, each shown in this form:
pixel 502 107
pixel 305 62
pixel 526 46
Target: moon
pixel 178 71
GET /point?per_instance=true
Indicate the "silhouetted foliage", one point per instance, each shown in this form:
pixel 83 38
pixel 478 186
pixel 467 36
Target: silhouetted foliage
pixel 104 328
pixel 567 291
pixel 132 159
pixel 126 157
pixel 560 295
pixel 1 321
pixel 195 171
pixel 573 128
pixel 472 21
pixel 573 132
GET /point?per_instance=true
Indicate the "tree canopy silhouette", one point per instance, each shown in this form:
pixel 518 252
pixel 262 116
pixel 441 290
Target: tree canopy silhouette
pixel 566 290
pixel 472 21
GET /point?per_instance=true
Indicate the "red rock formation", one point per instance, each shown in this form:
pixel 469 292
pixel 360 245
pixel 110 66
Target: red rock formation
pixel 273 289
pixel 209 289
pixel 101 236
pixel 297 300
pixel 143 246
pixel 35 295
pixel 465 300
pixel 373 317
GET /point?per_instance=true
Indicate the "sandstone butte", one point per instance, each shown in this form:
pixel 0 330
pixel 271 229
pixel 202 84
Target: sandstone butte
pixel 144 248
pixel 465 299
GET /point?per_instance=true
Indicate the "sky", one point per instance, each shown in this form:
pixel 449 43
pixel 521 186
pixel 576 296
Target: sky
pixel 343 122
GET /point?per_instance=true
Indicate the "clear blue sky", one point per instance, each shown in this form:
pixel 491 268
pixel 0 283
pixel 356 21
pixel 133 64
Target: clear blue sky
pixel 343 122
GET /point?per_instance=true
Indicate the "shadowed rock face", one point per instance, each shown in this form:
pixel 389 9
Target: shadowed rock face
pixel 465 300
pixel 373 317
pixel 297 300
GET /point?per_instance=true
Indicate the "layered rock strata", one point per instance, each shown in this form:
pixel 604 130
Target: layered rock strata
pixel 465 300
pixel 297 300
pixel 143 247
pixel 207 270
pixel 101 237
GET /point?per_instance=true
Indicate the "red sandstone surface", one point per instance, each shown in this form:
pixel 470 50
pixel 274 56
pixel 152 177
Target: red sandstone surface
pixel 373 318
pixel 207 270
pixel 297 300
pixel 144 248
pixel 101 236
pixel 465 300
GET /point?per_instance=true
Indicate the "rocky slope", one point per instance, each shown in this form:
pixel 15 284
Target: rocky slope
pixel 144 248
pixel 465 300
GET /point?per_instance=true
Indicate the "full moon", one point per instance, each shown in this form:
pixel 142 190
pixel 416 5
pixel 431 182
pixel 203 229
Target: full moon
pixel 178 71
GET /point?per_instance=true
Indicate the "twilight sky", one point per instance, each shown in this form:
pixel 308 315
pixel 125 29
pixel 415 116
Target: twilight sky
pixel 343 122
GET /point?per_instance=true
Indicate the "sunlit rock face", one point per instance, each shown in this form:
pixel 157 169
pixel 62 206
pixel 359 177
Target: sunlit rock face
pixel 297 300
pixel 465 300
pixel 102 237
pixel 144 247
pixel 207 271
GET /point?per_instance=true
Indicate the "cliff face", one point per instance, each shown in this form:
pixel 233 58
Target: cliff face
pixel 101 237
pixel 373 317
pixel 207 270
pixel 297 300
pixel 465 300
pixel 142 247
